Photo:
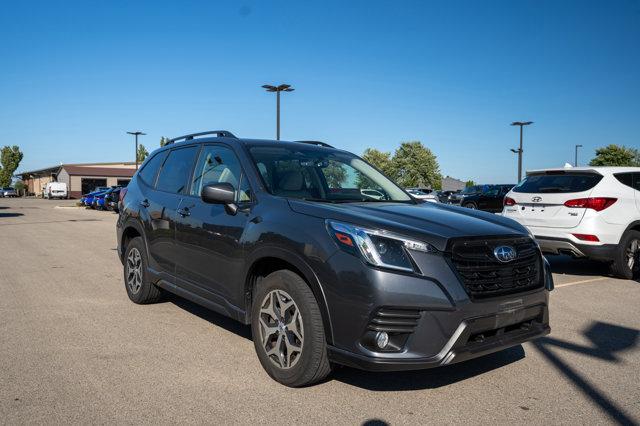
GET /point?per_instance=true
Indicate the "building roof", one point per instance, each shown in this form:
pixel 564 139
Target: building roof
pixel 99 171
pixel 86 169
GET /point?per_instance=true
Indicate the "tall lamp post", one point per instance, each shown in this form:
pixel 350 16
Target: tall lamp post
pixel 519 150
pixel 575 164
pixel 136 134
pixel 278 89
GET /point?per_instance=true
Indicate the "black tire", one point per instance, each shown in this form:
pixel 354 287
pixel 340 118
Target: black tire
pixel 472 206
pixel 313 363
pixel 620 266
pixel 147 292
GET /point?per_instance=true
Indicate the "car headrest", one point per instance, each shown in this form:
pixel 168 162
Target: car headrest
pixel 291 181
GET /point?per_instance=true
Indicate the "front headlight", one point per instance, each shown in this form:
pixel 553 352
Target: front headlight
pixel 377 247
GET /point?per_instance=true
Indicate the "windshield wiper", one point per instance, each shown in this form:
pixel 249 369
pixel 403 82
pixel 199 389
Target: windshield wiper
pixel 319 200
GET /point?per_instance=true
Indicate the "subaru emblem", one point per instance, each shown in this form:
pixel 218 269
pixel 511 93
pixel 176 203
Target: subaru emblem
pixel 536 199
pixel 505 253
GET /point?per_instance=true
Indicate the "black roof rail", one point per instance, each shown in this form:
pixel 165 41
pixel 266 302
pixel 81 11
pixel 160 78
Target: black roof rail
pixel 219 133
pixel 316 143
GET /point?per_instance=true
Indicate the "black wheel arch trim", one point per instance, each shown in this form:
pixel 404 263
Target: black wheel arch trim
pixel 302 266
pixel 132 223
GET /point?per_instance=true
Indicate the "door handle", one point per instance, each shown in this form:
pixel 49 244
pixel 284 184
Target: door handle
pixel 184 212
pixel 144 203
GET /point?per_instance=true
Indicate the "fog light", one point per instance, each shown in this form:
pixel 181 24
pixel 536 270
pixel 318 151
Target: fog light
pixel 382 339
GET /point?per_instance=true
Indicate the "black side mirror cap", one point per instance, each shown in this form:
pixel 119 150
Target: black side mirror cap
pixel 219 193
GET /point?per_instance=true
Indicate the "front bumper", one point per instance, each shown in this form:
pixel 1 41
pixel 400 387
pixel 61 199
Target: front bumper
pixel 449 327
pixel 473 338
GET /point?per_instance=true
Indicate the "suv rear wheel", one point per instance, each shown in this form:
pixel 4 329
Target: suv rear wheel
pixel 626 265
pixel 288 333
pixel 139 289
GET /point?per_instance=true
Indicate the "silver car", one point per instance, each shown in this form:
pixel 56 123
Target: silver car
pixel 9 192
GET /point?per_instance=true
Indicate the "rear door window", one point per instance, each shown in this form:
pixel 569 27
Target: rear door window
pixel 174 175
pixel 558 183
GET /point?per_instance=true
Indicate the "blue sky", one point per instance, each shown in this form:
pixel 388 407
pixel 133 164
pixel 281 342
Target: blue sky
pixel 75 76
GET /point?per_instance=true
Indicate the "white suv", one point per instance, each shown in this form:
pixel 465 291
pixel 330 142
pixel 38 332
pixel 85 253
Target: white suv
pixel 589 212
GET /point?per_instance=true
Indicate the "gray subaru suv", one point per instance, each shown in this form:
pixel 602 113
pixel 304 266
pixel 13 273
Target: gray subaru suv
pixel 327 259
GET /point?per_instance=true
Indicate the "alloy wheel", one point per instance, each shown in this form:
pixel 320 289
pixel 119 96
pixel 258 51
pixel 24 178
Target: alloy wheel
pixel 134 270
pixel 281 329
pixel 633 255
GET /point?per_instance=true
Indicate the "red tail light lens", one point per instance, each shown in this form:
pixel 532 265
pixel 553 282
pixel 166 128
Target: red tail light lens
pixel 587 237
pixel 597 203
pixel 123 192
pixel 509 201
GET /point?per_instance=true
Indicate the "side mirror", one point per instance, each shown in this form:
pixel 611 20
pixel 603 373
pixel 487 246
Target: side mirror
pixel 220 193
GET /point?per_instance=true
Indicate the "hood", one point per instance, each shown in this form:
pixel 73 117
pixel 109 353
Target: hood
pixel 429 222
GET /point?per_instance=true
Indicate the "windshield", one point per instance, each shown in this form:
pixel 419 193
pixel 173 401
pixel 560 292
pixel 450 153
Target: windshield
pixel 318 174
pixel 558 183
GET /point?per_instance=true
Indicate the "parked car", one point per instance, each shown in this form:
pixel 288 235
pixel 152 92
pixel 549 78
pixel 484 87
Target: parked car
pixel 456 198
pixel 421 195
pixel 55 190
pixel 443 196
pixel 87 199
pixel 111 200
pixel 588 212
pixel 485 197
pixel 9 192
pixel 266 233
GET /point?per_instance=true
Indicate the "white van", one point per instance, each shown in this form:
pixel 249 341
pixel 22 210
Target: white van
pixel 55 190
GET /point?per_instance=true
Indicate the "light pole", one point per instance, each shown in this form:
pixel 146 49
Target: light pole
pixel 136 134
pixel 278 89
pixel 575 164
pixel 519 150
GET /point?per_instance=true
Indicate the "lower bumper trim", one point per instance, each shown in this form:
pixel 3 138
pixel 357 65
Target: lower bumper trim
pixel 454 355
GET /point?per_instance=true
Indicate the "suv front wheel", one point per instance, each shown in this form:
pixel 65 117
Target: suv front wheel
pixel 626 264
pixel 288 333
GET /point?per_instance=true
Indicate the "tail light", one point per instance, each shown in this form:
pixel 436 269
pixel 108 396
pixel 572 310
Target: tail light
pixel 509 201
pixel 587 237
pixel 597 203
pixel 123 192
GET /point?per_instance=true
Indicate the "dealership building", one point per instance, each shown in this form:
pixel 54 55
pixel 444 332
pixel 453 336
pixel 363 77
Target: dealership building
pixel 80 178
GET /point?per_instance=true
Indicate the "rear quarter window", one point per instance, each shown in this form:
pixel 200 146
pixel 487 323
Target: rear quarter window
pixel 625 179
pixel 149 170
pixel 558 183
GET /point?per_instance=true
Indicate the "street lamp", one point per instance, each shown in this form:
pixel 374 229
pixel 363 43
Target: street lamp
pixel 519 150
pixel 575 164
pixel 136 134
pixel 278 89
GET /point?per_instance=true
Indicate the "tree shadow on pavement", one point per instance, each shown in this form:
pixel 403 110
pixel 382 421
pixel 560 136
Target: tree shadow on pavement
pixel 607 340
pixel 561 264
pixel 427 379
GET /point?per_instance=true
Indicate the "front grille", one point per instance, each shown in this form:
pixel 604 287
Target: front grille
pixel 483 276
pixel 394 320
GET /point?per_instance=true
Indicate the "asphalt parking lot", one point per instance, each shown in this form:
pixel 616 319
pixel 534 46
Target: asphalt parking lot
pixel 74 349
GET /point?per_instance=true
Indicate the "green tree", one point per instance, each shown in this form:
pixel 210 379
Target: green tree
pixel 142 153
pixel 379 159
pixel 414 165
pixel 10 158
pixel 614 155
pixel 163 141
pixel 335 174
pixel 469 183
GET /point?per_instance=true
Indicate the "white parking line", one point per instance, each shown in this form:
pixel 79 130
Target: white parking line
pixel 581 282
